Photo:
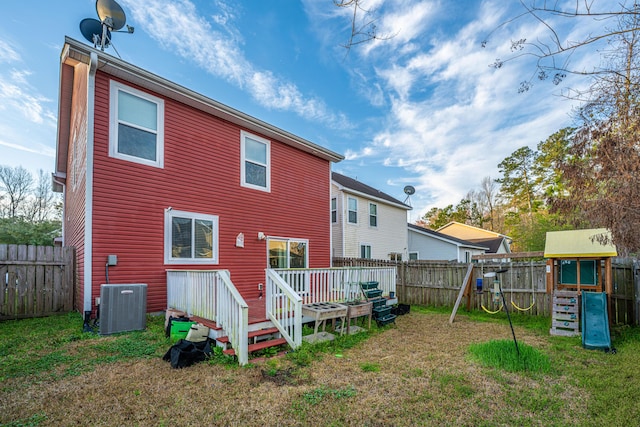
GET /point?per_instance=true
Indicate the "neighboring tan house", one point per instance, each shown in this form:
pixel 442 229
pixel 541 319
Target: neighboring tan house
pixel 165 178
pixel 365 222
pixel 496 242
pixel 426 244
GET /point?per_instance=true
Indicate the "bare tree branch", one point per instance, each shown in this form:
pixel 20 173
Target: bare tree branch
pixel 547 54
pixel 363 27
pixel 16 183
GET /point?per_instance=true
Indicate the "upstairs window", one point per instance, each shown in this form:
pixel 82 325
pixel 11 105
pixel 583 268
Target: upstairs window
pixel 136 126
pixel 373 215
pixel 255 153
pixel 334 211
pixel 190 238
pixel 353 210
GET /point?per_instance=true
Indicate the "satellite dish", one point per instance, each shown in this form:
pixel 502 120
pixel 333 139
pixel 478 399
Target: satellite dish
pixel 112 18
pixel 111 14
pixel 409 190
pixel 91 29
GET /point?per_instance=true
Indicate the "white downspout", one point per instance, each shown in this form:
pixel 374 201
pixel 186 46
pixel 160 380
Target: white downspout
pixel 88 220
pixel 343 223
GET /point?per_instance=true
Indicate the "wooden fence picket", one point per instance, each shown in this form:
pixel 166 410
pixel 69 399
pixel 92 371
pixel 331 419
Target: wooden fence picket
pixel 36 281
pixel 437 283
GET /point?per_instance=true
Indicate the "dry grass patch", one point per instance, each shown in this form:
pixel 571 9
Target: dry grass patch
pixel 417 372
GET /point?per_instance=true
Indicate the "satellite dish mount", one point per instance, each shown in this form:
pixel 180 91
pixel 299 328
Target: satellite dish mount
pixel 409 190
pixel 112 19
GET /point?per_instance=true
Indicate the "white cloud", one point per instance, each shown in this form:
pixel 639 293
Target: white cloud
pixel 452 117
pixel 182 30
pixel 44 151
pixel 7 53
pixel 14 96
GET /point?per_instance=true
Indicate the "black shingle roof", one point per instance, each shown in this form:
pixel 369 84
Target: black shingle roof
pixel 359 187
pixel 493 243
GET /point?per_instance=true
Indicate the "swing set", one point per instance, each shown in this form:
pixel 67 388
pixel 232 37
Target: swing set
pixel 497 297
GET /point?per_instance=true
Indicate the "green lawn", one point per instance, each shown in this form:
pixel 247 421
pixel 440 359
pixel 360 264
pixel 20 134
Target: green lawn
pixel 421 371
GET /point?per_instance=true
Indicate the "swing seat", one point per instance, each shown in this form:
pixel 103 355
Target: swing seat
pixel 491 312
pixel 523 309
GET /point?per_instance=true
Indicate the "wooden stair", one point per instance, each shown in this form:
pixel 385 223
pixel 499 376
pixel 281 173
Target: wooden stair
pixel 256 341
pixel 259 346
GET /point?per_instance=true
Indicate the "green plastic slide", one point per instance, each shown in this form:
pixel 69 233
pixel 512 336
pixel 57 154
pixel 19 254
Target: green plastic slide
pixel 595 321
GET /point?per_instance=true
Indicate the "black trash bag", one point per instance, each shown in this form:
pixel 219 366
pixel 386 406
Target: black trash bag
pixel 185 353
pixel 401 309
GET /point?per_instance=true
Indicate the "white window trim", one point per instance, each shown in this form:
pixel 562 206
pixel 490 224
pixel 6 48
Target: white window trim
pixel 288 240
pixel 114 88
pixel 349 210
pixel 243 181
pixel 168 259
pixel 372 215
pixel 416 253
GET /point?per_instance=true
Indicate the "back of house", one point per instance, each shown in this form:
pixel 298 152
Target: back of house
pixel 161 177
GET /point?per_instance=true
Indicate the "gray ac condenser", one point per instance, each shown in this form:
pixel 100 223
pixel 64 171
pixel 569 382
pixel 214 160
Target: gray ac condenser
pixel 123 307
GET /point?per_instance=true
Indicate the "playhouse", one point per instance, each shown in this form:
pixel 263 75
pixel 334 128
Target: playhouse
pixel 580 278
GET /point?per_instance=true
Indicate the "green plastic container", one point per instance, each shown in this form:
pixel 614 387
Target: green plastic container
pixel 373 293
pixel 389 318
pixel 368 285
pixel 180 329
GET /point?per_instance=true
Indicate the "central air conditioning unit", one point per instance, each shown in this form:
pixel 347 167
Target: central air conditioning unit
pixel 123 308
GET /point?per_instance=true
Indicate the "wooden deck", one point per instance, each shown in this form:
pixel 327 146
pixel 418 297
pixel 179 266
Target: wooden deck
pixel 257 310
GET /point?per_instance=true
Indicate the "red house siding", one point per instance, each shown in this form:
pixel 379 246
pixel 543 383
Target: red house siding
pixel 201 174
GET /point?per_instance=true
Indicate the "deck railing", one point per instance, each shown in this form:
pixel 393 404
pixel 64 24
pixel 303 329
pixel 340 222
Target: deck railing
pixel 336 284
pixel 193 291
pixel 284 308
pixel 210 294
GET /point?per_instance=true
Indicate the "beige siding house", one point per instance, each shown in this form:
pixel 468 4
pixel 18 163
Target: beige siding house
pixel 365 222
pixel 496 242
pixel 426 244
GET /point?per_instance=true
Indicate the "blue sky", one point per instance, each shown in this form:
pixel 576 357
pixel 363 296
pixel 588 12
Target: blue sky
pixel 422 108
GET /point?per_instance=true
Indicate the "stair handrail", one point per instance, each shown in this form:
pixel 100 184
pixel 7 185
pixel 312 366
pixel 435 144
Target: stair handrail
pixel 233 316
pixel 284 308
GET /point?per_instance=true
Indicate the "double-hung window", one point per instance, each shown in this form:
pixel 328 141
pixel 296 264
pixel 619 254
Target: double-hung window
pixel 190 238
pixel 255 170
pixel 365 251
pixel 334 210
pixel 373 215
pixel 136 126
pixel 353 210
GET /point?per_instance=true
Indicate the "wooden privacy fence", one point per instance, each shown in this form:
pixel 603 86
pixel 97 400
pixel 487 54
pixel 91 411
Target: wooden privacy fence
pixel 35 281
pixel 524 285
